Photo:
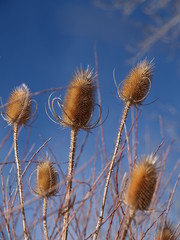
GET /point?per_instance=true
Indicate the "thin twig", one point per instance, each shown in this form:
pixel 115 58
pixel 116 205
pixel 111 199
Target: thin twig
pixel 6 218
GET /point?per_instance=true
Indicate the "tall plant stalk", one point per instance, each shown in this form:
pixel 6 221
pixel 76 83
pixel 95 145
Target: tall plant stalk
pixel 128 223
pixel 74 132
pixel 45 199
pixel 46 186
pixel 125 113
pixel 20 187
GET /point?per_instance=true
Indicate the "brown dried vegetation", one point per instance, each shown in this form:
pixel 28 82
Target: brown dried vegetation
pixel 136 86
pixel 142 185
pixel 46 179
pixel 18 106
pixel 79 100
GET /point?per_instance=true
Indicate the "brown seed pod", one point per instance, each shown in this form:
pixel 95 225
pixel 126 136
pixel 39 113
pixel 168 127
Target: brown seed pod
pixel 18 106
pixel 136 86
pixel 47 179
pixel 167 233
pixel 79 100
pixel 142 184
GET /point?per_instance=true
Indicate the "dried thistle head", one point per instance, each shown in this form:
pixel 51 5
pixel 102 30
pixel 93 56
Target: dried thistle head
pixel 18 106
pixel 167 233
pixel 136 86
pixel 79 100
pixel 47 179
pixel 142 184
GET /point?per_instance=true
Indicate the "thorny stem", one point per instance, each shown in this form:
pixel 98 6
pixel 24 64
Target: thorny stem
pixel 128 223
pixel 45 199
pixel 20 188
pixel 74 132
pixel 125 113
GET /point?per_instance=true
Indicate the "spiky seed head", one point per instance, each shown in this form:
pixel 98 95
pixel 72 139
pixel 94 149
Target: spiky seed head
pixel 167 233
pixel 18 106
pixel 136 86
pixel 47 179
pixel 79 99
pixel 142 184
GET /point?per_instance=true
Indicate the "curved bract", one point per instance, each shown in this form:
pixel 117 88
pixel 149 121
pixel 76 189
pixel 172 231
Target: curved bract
pixel 79 103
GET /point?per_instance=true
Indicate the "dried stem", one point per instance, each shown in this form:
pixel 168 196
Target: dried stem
pixel 20 188
pixel 45 199
pixel 6 216
pixel 128 223
pixel 125 113
pixel 2 233
pixel 69 181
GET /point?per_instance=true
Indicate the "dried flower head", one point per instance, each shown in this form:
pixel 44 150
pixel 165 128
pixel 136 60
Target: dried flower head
pixel 136 86
pixel 18 106
pixel 47 179
pixel 79 100
pixel 167 233
pixel 142 184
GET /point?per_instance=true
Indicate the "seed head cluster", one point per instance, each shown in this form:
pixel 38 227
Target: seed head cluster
pixel 142 184
pixel 167 233
pixel 47 179
pixel 18 106
pixel 79 100
pixel 136 86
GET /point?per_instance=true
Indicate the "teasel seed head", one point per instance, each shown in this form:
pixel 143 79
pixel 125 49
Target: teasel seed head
pixel 18 106
pixel 79 100
pixel 142 184
pixel 167 233
pixel 135 87
pixel 47 179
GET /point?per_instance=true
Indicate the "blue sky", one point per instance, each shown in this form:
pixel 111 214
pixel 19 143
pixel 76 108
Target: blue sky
pixel 43 42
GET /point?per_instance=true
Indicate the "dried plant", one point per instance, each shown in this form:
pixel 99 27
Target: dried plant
pixel 77 110
pixel 18 106
pixel 134 90
pixel 141 188
pixel 167 233
pixel 17 114
pixel 142 184
pixel 136 86
pixel 135 206
pixel 79 100
pixel 47 180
